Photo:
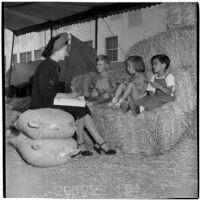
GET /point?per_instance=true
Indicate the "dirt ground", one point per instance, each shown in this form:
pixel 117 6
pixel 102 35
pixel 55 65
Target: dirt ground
pixel 172 175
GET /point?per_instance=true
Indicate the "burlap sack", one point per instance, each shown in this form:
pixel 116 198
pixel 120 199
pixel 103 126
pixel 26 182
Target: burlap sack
pixel 46 123
pixel 45 153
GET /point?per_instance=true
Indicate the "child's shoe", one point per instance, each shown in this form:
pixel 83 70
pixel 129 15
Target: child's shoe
pixel 113 102
pixel 118 104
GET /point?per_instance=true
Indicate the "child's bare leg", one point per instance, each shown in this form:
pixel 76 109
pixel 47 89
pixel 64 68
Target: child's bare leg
pixel 127 92
pixel 134 108
pixel 120 90
pixel 134 93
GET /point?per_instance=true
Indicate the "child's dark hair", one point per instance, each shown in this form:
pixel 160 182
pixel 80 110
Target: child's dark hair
pixel 138 63
pixel 162 59
pixel 104 58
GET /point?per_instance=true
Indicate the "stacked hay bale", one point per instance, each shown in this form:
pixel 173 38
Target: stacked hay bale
pixel 46 137
pixel 156 131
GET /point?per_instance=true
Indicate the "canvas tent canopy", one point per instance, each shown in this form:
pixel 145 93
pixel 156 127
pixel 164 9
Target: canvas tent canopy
pixel 26 17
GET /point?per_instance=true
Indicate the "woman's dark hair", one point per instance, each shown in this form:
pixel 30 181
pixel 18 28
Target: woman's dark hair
pixel 48 50
pixel 138 63
pixel 162 59
pixel 104 58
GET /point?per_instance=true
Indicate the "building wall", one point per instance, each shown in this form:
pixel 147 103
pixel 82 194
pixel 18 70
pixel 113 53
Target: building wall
pixel 130 27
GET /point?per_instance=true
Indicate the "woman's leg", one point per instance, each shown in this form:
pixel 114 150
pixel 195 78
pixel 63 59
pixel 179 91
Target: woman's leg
pixel 80 133
pixel 90 125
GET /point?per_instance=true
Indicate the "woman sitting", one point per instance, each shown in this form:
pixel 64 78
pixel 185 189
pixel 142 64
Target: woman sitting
pixel 46 85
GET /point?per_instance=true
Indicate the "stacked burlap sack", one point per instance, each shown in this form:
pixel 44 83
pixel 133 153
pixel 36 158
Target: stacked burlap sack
pixel 46 137
pixel 156 131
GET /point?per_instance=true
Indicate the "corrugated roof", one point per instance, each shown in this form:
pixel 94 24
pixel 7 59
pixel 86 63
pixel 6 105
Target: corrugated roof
pixel 24 17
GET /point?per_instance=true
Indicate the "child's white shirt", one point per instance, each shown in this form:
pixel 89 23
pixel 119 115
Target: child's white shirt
pixel 170 81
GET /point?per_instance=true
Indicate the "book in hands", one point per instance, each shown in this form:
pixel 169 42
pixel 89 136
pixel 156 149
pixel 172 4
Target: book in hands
pixel 63 100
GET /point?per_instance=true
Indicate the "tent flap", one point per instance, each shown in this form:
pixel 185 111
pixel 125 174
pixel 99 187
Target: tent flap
pixel 82 60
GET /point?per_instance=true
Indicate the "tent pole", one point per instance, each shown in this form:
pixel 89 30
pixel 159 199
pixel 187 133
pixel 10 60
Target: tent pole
pixel 11 58
pixel 51 32
pixel 96 33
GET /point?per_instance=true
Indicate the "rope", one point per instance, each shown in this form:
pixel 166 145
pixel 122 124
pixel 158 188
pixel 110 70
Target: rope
pixel 114 35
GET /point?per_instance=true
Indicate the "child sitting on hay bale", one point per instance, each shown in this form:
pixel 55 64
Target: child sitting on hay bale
pixel 102 87
pixel 161 87
pixel 135 87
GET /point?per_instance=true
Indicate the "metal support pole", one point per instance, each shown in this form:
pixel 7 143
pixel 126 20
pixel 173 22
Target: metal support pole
pixel 51 32
pixel 11 58
pixel 96 33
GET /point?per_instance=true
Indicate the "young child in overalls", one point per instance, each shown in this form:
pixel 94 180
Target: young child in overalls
pixel 162 84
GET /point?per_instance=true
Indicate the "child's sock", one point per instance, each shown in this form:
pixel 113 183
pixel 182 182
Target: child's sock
pixel 114 100
pixel 119 103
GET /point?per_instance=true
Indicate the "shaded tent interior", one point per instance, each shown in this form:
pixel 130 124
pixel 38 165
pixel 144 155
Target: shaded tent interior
pixel 81 61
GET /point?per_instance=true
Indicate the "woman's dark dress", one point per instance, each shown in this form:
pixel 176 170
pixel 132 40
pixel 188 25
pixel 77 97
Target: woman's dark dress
pixel 45 87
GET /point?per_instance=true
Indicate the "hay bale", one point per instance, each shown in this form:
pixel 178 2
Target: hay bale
pixel 151 132
pixel 179 44
pixel 82 83
pixel 181 14
pixel 19 104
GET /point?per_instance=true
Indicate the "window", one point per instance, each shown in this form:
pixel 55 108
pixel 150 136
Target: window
pixel 25 57
pixel 28 57
pixel 90 43
pixel 14 58
pixel 112 48
pixel 37 54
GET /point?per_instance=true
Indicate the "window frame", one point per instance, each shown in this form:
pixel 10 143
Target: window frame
pixel 26 56
pixel 37 50
pixel 112 49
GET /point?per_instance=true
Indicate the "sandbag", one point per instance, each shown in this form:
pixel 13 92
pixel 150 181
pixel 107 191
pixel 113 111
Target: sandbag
pixel 45 153
pixel 46 123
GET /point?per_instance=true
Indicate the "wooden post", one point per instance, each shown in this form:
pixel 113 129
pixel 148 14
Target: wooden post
pixel 96 33
pixel 11 58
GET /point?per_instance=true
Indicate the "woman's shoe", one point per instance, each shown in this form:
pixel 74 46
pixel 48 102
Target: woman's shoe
pixel 86 152
pixel 99 149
